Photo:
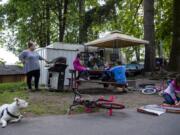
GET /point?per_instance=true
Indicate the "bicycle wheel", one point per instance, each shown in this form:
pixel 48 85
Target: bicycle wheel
pixel 149 91
pixel 110 105
pixel 103 100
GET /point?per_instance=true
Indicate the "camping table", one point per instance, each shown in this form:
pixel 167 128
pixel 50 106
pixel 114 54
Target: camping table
pixel 74 74
pixel 73 79
pixel 74 83
pixel 95 74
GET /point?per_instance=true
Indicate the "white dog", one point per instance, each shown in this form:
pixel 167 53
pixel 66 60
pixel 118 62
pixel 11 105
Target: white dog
pixel 11 112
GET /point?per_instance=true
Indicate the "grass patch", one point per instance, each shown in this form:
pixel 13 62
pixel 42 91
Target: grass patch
pixel 8 91
pixel 7 96
pixel 12 86
pixel 49 104
pixel 40 103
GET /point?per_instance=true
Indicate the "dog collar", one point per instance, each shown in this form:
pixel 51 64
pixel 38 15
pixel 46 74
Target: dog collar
pixel 12 115
pixel 2 113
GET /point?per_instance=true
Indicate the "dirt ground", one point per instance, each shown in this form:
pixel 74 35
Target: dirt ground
pixel 54 103
pixel 46 103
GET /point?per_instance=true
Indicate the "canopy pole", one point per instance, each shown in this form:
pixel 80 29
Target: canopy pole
pixel 115 51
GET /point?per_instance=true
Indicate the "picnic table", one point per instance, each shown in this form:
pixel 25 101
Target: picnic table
pixel 74 82
pixel 95 74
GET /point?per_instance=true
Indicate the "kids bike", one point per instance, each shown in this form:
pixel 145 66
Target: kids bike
pixel 102 103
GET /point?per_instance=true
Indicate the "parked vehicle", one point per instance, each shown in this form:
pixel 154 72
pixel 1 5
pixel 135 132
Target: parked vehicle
pixel 134 69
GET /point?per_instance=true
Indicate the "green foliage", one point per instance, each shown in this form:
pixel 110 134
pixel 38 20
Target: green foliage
pixel 163 24
pixel 19 63
pixel 2 62
pixel 27 19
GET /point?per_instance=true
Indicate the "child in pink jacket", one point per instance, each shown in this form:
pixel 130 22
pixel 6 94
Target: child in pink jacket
pixel 170 93
pixel 83 71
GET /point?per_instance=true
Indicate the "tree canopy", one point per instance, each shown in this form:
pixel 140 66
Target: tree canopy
pixel 79 21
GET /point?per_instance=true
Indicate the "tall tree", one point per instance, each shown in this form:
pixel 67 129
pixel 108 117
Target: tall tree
pixel 174 63
pixel 149 35
pixel 48 40
pixel 45 21
pixel 81 4
pixel 62 7
pixel 97 15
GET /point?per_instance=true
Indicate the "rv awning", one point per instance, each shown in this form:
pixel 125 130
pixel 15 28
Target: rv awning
pixel 116 40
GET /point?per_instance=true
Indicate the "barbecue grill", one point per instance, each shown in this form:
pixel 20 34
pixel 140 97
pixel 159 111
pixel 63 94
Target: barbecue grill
pixel 56 76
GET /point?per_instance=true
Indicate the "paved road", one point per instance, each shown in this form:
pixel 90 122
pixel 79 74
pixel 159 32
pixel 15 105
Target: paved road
pixel 125 122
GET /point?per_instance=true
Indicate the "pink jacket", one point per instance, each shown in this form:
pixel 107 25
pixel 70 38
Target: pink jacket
pixel 172 89
pixel 177 88
pixel 77 65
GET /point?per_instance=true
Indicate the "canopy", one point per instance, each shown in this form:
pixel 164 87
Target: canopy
pixel 116 40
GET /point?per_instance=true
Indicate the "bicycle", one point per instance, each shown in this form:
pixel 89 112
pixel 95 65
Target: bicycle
pixel 91 104
pixel 149 89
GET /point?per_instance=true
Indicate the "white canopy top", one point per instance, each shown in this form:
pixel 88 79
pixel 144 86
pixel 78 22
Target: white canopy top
pixel 116 40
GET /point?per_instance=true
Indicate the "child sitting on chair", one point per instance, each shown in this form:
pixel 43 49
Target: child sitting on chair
pixel 170 93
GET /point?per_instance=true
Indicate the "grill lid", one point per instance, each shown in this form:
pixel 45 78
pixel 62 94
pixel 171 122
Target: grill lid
pixel 59 60
pixel 57 64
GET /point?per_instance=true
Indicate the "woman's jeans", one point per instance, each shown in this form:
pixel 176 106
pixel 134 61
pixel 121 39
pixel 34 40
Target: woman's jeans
pixel 36 75
pixel 168 99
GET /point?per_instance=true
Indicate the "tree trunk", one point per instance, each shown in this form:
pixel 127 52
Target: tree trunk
pixel 149 35
pixel 62 7
pixel 42 32
pixel 96 15
pixel 174 62
pixel 63 24
pixel 81 4
pixel 47 23
pixel 59 10
pixel 137 52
